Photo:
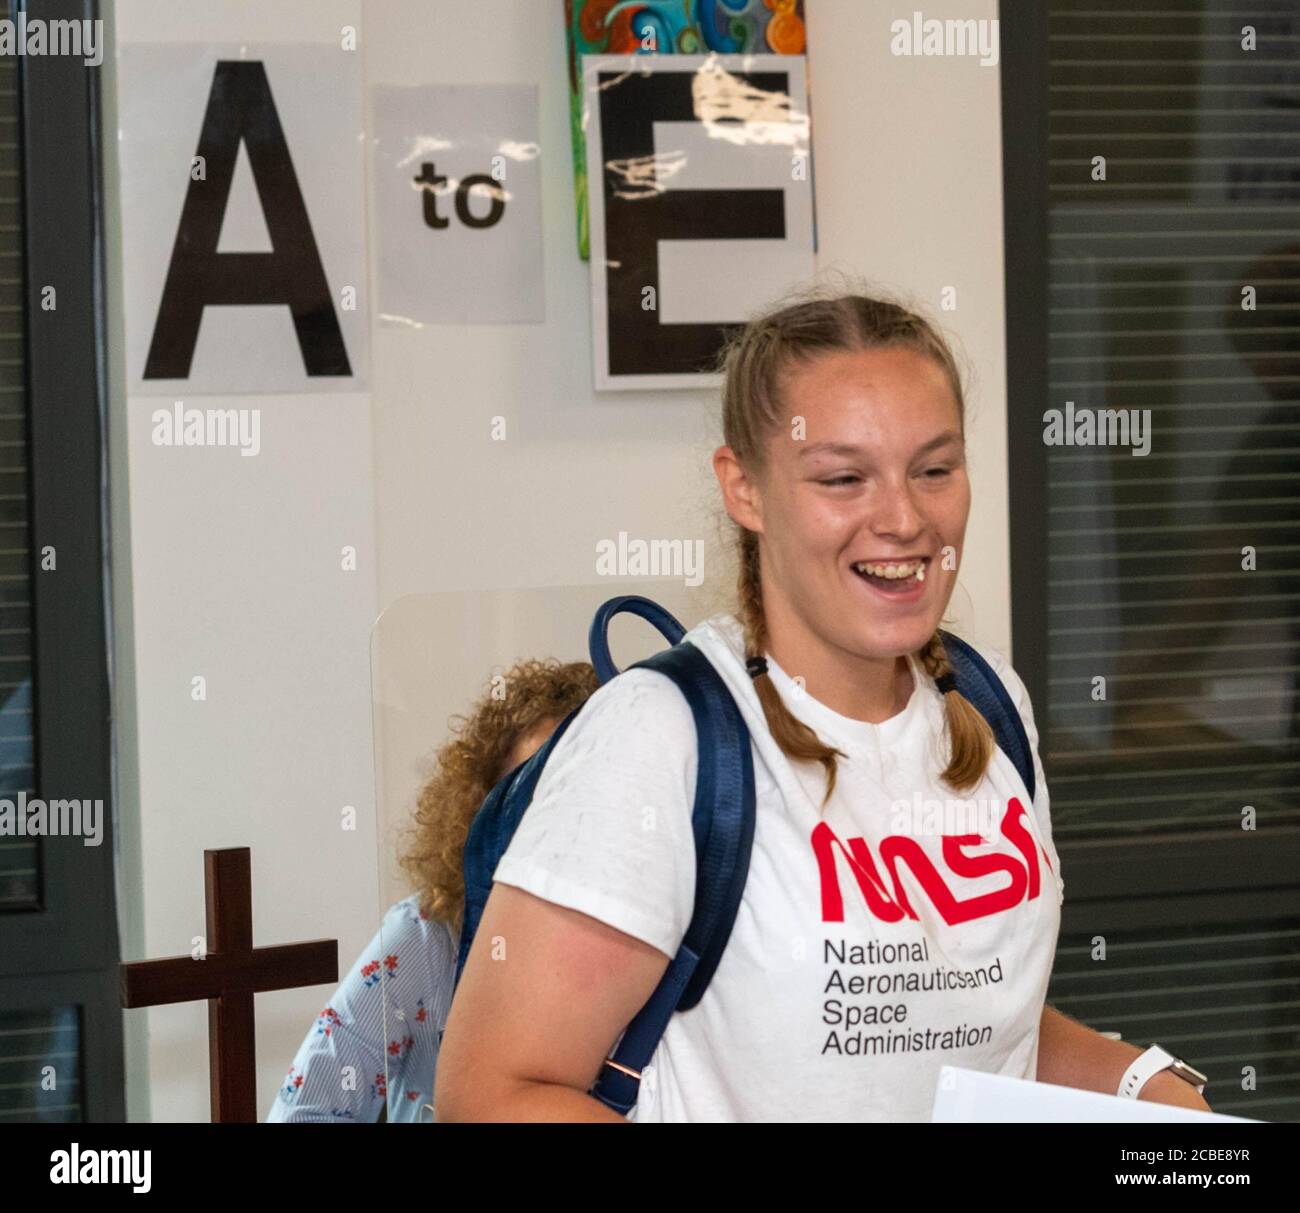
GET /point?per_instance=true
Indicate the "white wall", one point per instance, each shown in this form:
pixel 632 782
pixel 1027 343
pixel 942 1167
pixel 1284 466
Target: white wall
pixel 908 189
pixel 236 575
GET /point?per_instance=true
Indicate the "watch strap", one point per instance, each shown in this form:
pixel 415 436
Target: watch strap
pixel 1145 1067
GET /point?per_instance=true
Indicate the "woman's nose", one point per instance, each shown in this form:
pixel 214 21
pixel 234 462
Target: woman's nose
pixel 895 512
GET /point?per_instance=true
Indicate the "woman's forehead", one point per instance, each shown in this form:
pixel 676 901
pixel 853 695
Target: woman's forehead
pixel 884 369
pixel 865 396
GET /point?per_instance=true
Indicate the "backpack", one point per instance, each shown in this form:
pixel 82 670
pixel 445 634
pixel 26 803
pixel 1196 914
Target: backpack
pixel 722 819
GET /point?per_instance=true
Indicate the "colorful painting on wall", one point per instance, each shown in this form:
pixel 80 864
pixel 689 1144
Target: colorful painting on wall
pixel 670 27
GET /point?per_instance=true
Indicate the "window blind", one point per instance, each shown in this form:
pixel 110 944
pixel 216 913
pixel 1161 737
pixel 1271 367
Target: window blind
pixel 40 1065
pixel 1225 998
pixel 19 857
pixel 1174 297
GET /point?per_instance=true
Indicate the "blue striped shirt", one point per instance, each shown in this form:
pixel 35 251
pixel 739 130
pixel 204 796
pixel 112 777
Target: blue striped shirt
pixel 377 1040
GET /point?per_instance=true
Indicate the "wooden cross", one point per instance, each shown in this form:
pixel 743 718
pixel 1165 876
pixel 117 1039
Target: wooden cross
pixel 228 976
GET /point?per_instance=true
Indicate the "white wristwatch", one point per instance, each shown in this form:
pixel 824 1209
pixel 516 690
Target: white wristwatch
pixel 1149 1064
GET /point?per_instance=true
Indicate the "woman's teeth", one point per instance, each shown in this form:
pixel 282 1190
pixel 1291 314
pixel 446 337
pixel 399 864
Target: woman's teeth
pixel 893 572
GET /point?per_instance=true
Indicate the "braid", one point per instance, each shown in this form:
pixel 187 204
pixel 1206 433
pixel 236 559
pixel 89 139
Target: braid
pixel 796 739
pixel 969 736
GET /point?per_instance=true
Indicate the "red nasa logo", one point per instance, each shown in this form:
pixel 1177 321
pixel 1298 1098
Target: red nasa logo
pixel 892 905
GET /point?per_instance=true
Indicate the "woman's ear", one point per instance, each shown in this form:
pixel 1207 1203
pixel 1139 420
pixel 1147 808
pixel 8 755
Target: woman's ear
pixel 740 495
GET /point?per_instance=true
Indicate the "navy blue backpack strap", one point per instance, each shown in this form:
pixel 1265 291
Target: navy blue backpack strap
pixel 978 682
pixel 497 819
pixel 490 833
pixel 722 821
pixel 629 604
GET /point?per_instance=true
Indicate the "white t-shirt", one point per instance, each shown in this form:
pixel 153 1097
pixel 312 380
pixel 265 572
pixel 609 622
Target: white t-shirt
pixel 837 999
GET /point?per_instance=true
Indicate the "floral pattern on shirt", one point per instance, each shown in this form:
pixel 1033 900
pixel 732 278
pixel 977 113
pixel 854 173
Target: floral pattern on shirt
pixel 376 1042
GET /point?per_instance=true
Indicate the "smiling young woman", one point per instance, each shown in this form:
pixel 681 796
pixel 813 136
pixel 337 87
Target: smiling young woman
pixel 843 471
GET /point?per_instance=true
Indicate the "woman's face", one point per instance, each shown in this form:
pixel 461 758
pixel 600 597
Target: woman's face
pixel 859 511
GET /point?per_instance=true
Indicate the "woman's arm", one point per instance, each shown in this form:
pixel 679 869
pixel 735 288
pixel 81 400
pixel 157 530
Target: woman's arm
pixel 1070 1054
pixel 545 994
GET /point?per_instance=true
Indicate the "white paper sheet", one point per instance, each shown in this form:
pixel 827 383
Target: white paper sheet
pixel 174 105
pixel 671 264
pixel 460 241
pixel 966 1096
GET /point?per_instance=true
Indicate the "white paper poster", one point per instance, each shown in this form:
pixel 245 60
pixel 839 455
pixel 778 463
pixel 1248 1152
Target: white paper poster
pixel 701 205
pixel 457 178
pixel 243 214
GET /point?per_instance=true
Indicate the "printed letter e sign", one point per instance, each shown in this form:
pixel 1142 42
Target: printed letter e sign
pixel 240 107
pixel 697 217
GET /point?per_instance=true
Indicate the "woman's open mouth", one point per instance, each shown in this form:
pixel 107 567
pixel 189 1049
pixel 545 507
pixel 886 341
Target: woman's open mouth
pixel 895 578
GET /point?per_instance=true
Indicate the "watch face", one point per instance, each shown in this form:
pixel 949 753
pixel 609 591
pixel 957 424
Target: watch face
pixel 1183 1070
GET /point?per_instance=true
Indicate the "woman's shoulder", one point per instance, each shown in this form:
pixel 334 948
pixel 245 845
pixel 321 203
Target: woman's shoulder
pixel 651 703
pixel 636 693
pixel 724 637
pixel 408 927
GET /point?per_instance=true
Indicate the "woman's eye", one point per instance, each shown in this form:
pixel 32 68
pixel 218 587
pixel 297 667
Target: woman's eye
pixel 847 478
pixel 936 472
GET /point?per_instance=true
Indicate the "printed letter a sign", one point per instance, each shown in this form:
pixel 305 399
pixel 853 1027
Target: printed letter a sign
pixel 243 218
